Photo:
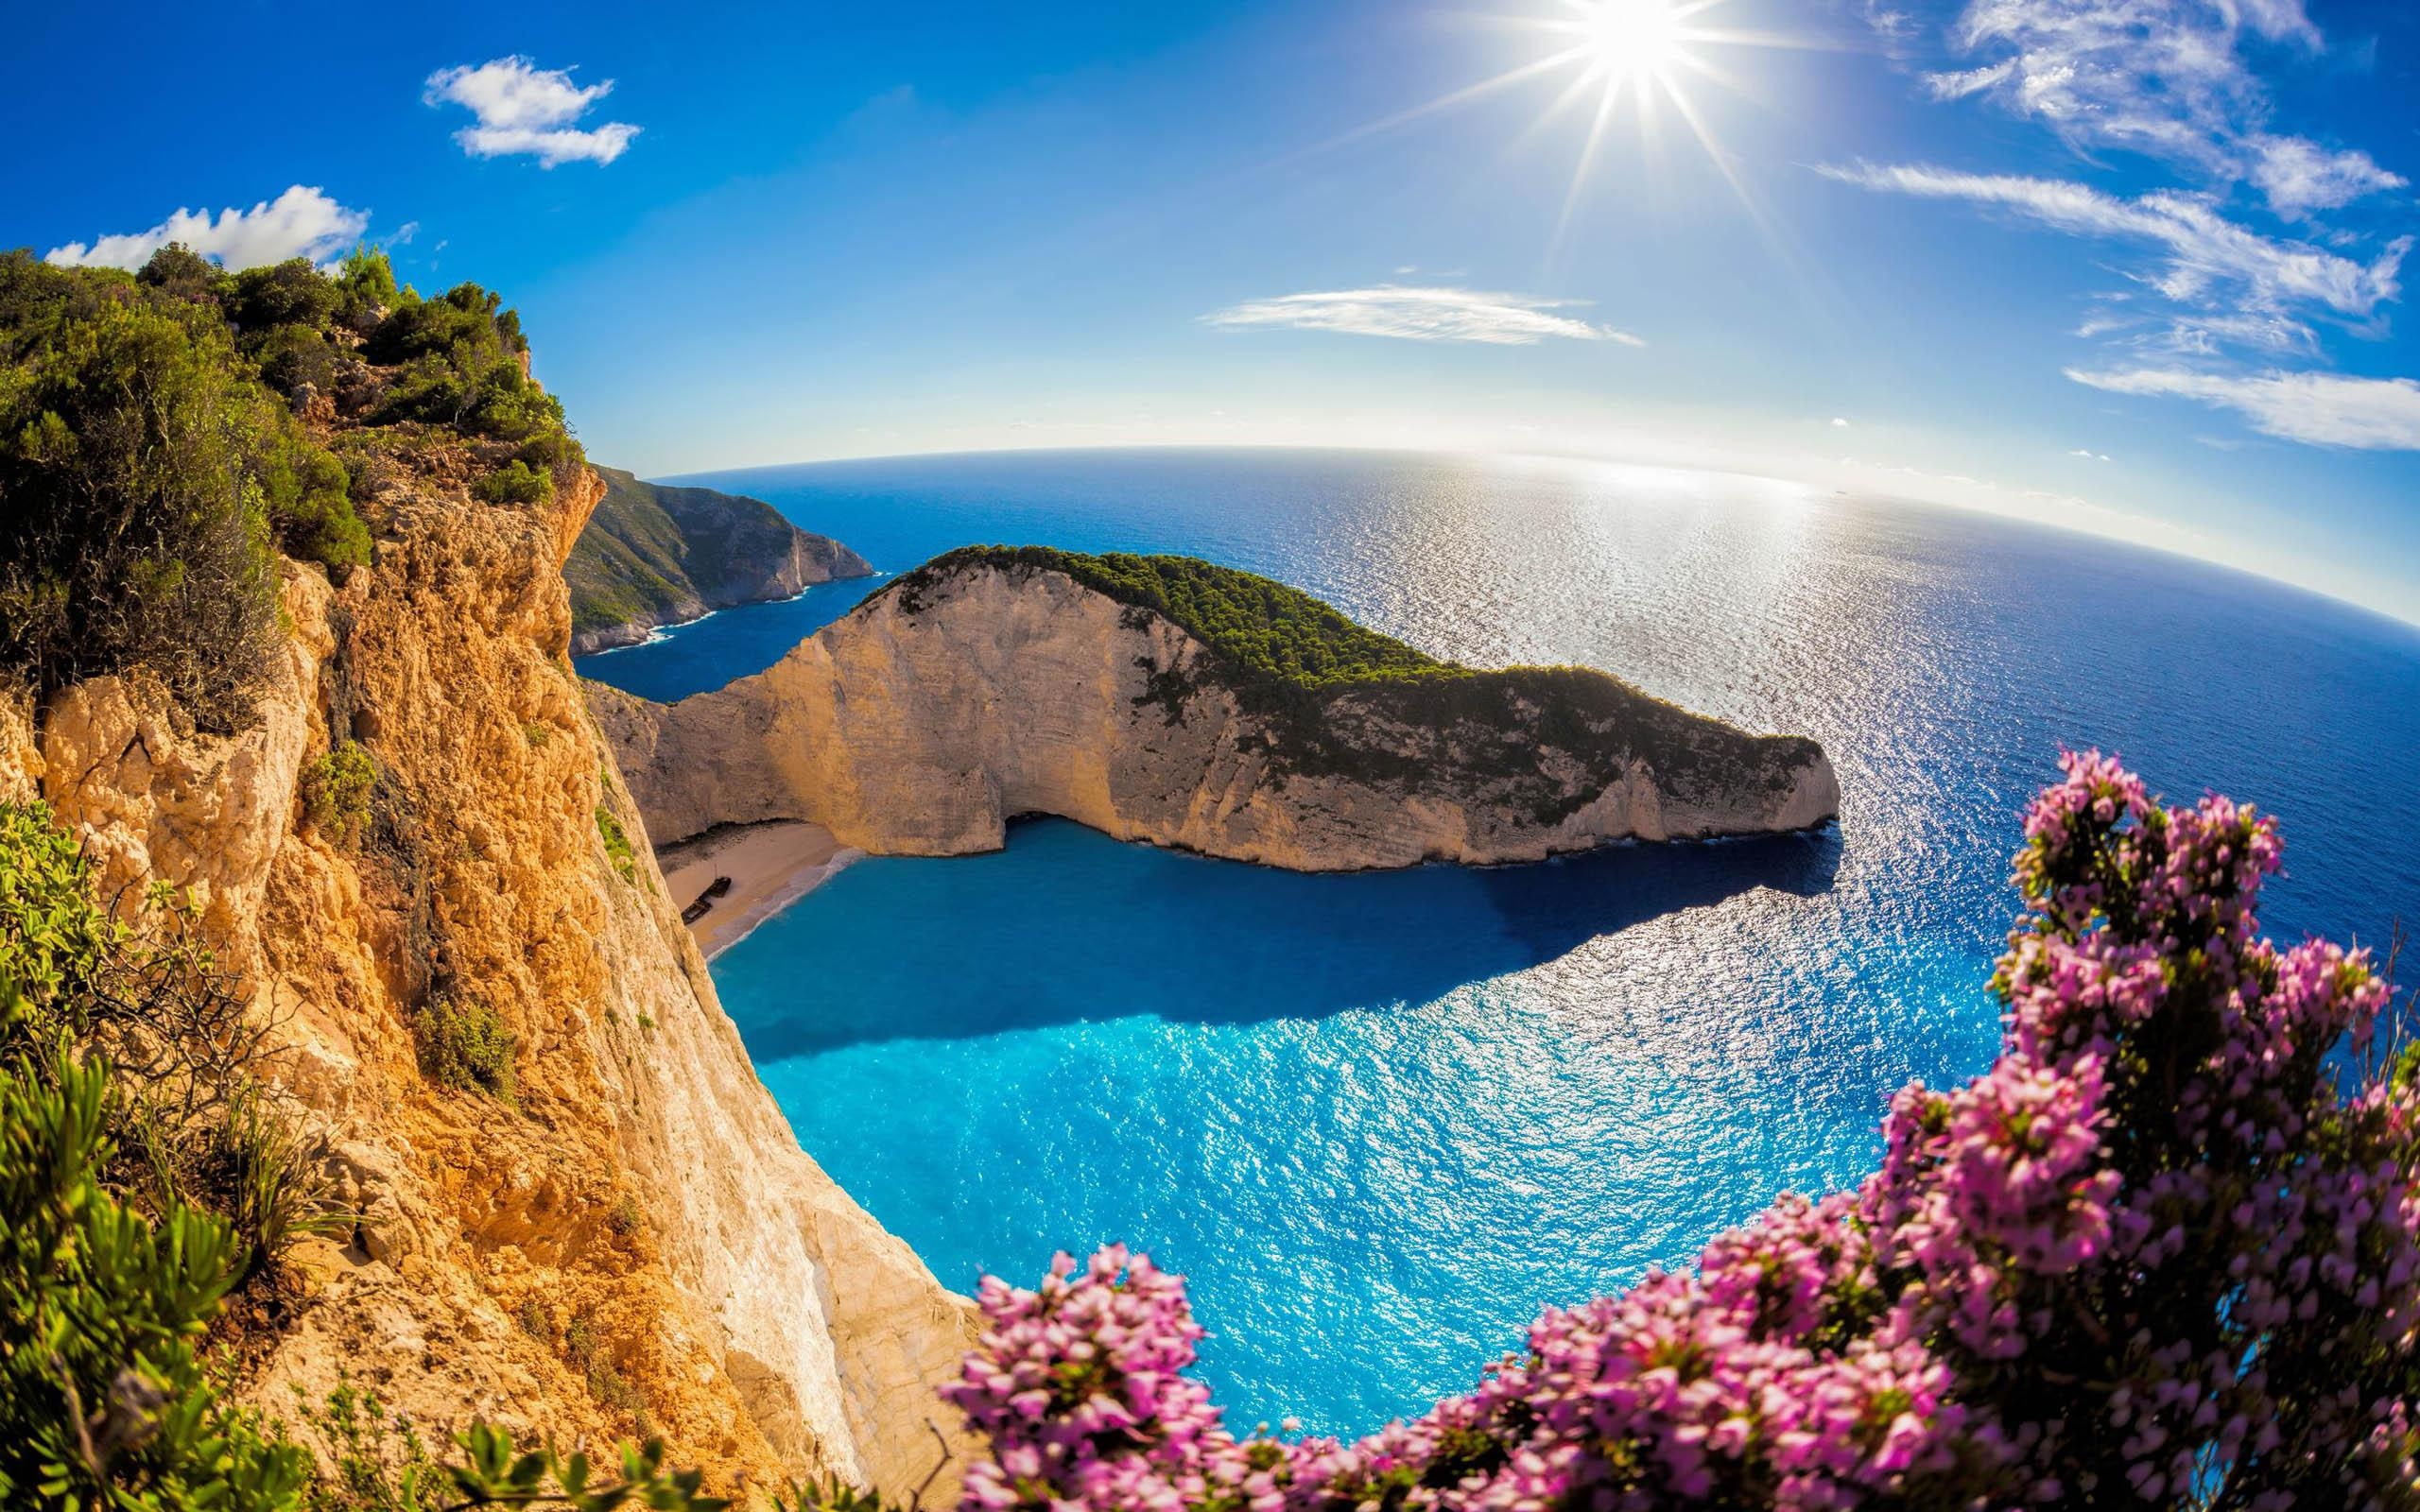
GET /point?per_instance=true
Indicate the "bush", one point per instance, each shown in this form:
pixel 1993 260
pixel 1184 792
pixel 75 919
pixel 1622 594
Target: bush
pixel 618 849
pixel 335 790
pixel 466 1046
pixel 516 482
pixel 102 1402
pixel 179 272
pixel 366 291
pixel 135 533
pixel 2166 1253
pixel 292 293
pixel 148 474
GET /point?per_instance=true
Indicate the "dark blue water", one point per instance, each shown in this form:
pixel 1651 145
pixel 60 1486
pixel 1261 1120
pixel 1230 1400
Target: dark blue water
pixel 1380 1120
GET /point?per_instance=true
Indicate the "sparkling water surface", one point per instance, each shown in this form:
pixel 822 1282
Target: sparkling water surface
pixel 1380 1120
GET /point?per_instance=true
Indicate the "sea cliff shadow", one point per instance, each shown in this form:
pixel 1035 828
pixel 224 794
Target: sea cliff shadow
pixel 1068 926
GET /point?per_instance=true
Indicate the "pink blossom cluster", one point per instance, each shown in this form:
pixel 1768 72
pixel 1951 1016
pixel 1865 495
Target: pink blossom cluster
pixel 2165 1253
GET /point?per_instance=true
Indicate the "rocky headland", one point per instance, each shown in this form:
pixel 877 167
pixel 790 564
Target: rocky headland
pixel 652 554
pixel 1163 699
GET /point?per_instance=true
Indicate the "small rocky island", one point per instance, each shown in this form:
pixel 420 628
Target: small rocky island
pixel 1169 700
pixel 655 555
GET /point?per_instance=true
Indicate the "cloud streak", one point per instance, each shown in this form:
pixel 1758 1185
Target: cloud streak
pixel 2206 252
pixel 302 222
pixel 1408 314
pixel 2321 409
pixel 524 111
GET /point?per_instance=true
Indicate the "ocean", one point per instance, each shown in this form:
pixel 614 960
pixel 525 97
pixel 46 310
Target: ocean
pixel 1379 1121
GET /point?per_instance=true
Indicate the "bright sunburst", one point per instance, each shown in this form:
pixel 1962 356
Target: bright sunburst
pixel 1632 37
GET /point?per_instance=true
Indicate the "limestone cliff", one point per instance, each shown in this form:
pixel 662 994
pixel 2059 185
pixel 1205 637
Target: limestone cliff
pixel 634 1238
pixel 992 685
pixel 652 554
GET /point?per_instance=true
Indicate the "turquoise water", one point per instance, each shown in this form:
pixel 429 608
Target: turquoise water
pixel 1380 1120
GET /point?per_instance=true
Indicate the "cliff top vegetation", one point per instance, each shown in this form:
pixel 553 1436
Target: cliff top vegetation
pixel 1258 626
pixel 165 434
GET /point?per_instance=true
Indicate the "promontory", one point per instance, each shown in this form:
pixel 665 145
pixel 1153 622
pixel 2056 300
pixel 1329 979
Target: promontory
pixel 1169 700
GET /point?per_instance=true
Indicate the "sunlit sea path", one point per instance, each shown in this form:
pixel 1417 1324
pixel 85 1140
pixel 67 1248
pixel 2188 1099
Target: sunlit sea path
pixel 1380 1120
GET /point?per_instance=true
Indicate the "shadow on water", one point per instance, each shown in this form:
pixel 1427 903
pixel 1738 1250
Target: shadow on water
pixel 1068 926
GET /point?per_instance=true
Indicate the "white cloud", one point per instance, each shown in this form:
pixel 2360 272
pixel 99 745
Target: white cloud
pixel 1425 315
pixel 2210 260
pixel 2170 78
pixel 2323 409
pixel 523 109
pixel 302 222
pixel 2300 176
pixel 2089 455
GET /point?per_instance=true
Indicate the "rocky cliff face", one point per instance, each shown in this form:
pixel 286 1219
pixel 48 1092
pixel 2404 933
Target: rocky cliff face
pixel 653 555
pixel 636 1237
pixel 968 695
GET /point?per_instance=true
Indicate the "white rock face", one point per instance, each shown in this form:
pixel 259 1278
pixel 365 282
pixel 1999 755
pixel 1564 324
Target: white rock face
pixel 925 720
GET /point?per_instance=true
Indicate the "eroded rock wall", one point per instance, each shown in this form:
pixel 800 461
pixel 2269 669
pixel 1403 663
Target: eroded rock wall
pixel 635 1237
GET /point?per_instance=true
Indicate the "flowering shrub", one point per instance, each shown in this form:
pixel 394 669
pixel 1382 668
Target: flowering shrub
pixel 2159 1255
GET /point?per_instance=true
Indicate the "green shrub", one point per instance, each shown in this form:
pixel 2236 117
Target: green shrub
pixel 275 1179
pixel 625 1217
pixel 366 291
pixel 135 533
pixel 336 792
pixel 148 475
pixel 102 1401
pixel 618 849
pixel 292 293
pixel 179 272
pixel 466 1046
pixel 291 356
pixel 516 482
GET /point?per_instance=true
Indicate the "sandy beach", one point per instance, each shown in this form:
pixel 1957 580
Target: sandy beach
pixel 770 866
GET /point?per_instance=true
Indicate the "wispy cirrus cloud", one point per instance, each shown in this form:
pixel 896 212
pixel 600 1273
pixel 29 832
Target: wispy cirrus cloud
pixel 302 222
pixel 1410 314
pixel 524 111
pixel 2173 79
pixel 2318 409
pixel 2206 254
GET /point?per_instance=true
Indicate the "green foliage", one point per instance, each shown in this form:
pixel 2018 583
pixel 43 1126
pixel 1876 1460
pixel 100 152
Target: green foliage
pixel 516 482
pixel 492 1474
pixel 191 1122
pixel 618 849
pixel 102 1400
pixel 378 1463
pixel 365 286
pixel 467 1046
pixel 336 792
pixel 1261 628
pixel 292 293
pixel 625 1217
pixel 136 532
pixel 179 272
pixel 373 1459
pixel 149 473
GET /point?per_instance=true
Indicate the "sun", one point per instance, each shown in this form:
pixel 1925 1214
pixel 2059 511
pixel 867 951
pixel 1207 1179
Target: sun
pixel 1632 37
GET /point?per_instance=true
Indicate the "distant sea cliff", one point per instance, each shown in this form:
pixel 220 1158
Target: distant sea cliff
pixel 654 555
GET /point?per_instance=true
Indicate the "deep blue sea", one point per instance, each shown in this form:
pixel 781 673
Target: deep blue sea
pixel 1380 1120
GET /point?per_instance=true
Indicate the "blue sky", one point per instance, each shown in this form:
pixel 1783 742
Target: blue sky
pixel 2134 266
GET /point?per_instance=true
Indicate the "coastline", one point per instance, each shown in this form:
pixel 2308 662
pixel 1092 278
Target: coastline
pixel 770 866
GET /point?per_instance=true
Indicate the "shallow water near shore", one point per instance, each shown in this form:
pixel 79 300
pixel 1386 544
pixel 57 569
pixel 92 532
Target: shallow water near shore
pixel 1380 1120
